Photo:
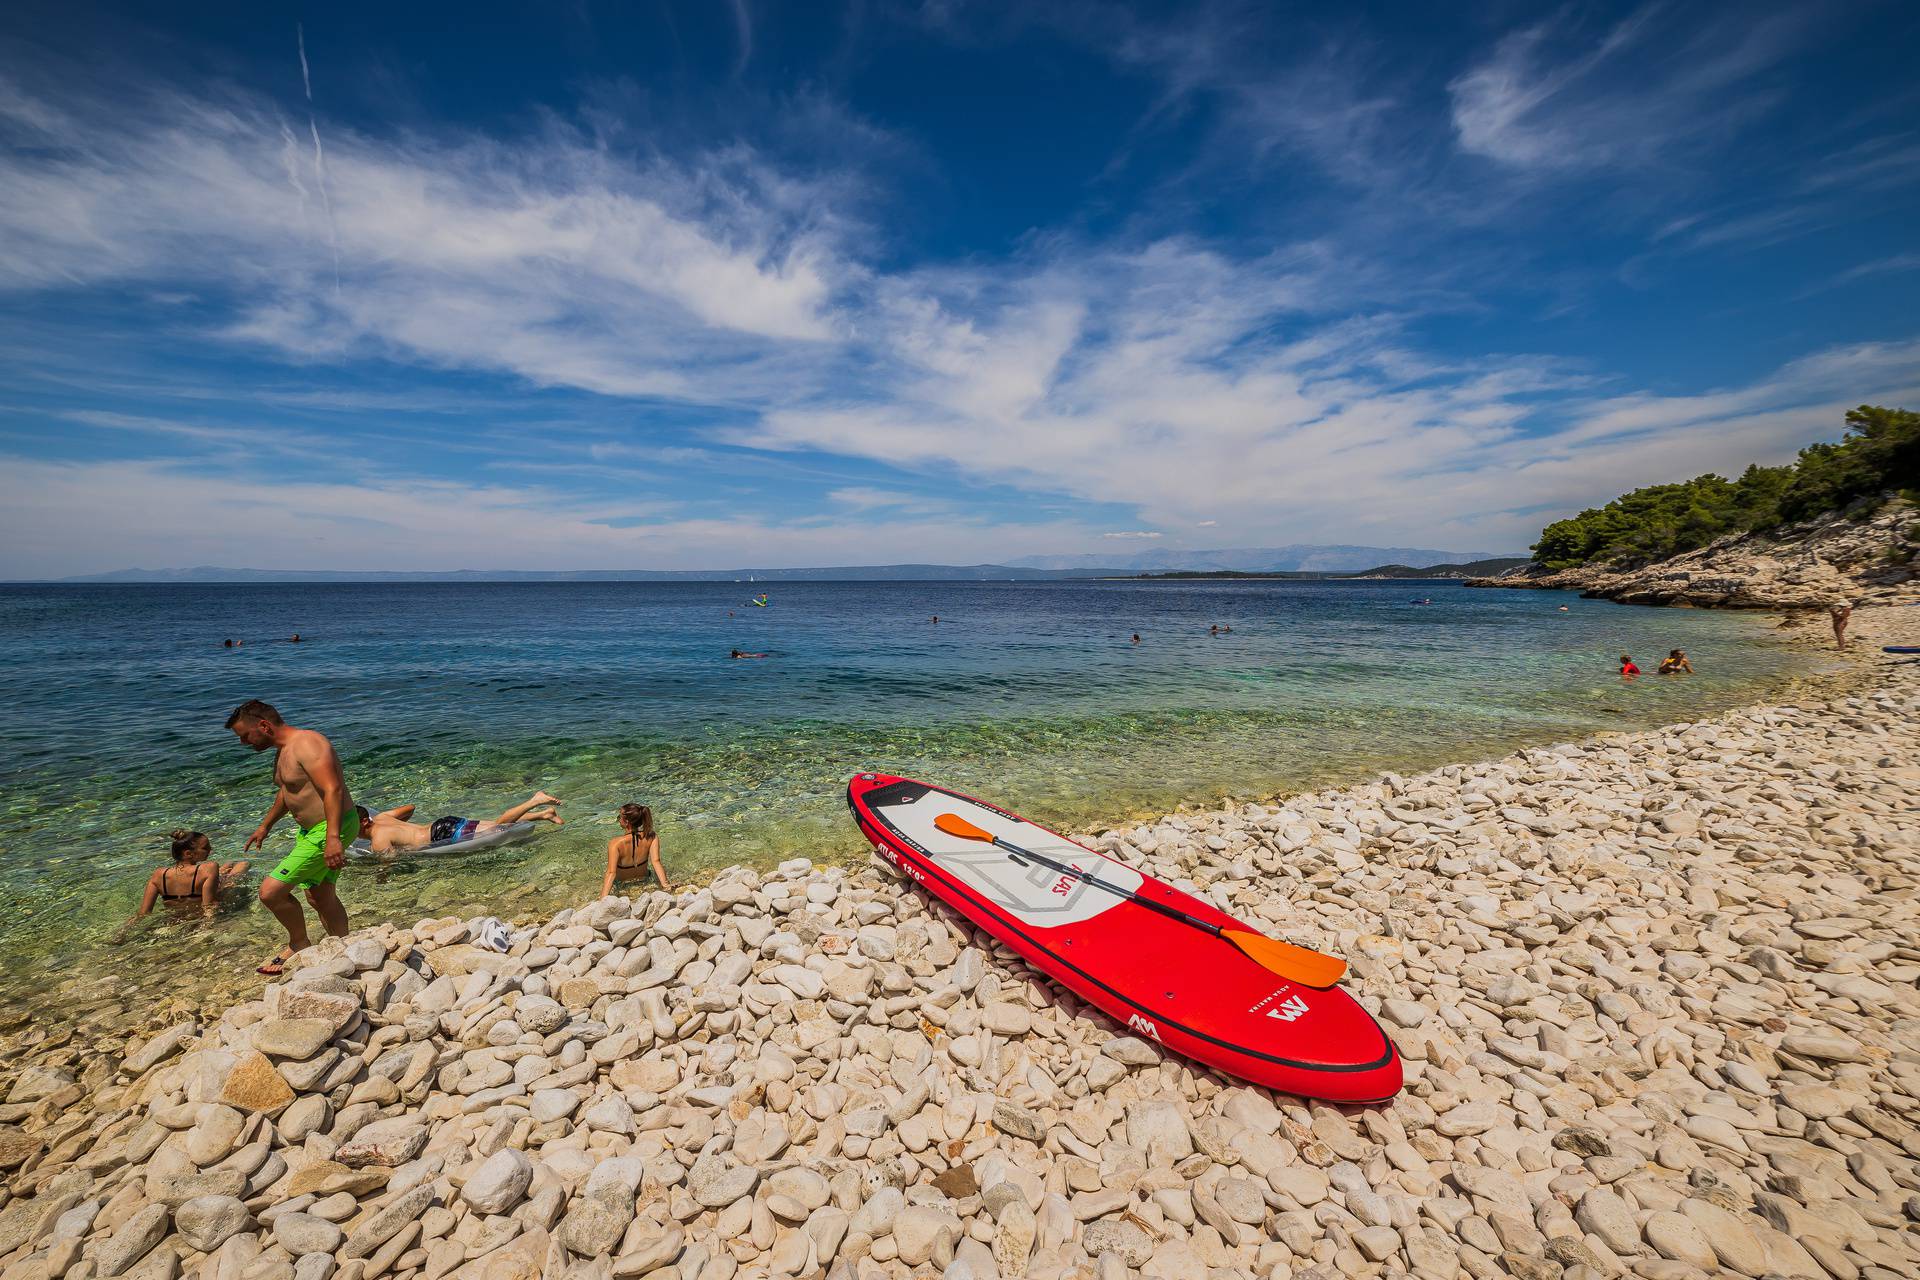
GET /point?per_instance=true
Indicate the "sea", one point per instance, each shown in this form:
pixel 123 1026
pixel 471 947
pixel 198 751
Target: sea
pixel 465 698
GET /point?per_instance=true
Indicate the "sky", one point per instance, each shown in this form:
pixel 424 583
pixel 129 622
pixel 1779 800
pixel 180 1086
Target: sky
pixel 702 285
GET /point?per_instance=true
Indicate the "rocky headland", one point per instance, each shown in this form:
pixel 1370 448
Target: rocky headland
pixel 1658 995
pixel 1841 556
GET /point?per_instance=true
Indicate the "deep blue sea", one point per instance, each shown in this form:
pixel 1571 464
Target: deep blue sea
pixel 463 698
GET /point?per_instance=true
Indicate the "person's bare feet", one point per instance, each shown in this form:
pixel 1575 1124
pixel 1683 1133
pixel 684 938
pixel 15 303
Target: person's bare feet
pixel 541 797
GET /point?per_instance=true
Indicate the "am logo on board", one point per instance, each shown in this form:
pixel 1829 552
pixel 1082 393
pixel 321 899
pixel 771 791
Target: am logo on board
pixel 1289 1009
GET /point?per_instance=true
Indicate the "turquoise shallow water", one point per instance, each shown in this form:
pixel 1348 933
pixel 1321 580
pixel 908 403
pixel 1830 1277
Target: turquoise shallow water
pixel 463 698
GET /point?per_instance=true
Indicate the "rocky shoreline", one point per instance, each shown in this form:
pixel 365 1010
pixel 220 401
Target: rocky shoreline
pixel 1656 993
pixel 1811 566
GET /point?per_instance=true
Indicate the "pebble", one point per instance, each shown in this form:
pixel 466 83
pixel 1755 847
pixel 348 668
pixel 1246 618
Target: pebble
pixel 499 1183
pixel 302 1233
pixel 207 1222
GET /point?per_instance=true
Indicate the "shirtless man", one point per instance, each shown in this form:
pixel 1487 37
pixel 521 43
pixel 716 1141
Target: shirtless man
pixel 389 831
pixel 311 788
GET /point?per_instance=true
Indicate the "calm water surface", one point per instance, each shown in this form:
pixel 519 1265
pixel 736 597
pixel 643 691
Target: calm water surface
pixel 463 698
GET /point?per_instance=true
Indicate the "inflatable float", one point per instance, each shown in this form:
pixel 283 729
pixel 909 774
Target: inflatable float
pixel 1166 965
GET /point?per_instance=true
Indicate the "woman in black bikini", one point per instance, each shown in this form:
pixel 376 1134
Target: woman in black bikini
pixel 636 852
pixel 193 877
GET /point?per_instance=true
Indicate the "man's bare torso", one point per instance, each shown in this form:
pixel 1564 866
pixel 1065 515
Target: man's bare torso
pixel 390 834
pixel 292 773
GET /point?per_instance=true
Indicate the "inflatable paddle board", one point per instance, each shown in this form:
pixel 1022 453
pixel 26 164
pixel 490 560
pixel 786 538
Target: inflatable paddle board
pixel 1164 980
pixel 492 838
pixel 1900 648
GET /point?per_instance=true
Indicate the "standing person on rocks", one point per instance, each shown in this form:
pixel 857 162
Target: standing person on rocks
pixel 310 786
pixel 1840 612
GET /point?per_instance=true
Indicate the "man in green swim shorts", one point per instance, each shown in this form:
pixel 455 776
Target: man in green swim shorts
pixel 306 773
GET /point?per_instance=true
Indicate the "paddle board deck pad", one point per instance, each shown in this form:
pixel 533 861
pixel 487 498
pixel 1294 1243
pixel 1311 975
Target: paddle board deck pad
pixel 491 838
pixel 1163 980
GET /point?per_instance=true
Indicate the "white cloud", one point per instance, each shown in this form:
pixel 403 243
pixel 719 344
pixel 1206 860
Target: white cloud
pixel 1133 533
pixel 862 498
pixel 1882 266
pixel 1552 96
pixel 58 519
pixel 550 260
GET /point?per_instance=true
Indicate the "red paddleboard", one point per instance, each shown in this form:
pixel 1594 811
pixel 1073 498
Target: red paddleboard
pixel 1164 980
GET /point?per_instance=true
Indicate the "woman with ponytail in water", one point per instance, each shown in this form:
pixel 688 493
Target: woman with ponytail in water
pixel 193 877
pixel 634 853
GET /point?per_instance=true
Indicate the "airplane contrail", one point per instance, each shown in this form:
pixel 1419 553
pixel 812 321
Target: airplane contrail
pixel 319 155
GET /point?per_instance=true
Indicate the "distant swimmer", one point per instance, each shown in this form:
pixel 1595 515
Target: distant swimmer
pixel 936 618
pixel 1676 663
pixel 1136 637
pixel 1226 631
pixel 294 638
pixel 227 643
pixel 1424 601
pixel 194 876
pixel 1563 608
pixel 737 654
pixel 1214 630
pixel 635 853
pixel 389 831
pixel 1626 666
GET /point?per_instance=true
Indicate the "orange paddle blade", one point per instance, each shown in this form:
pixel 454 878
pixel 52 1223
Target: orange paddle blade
pixel 1311 968
pixel 955 825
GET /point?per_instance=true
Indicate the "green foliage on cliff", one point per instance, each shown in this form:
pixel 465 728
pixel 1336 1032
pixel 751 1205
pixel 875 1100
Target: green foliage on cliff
pixel 1881 452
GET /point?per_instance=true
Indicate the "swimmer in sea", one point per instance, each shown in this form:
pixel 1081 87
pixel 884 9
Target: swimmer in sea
pixel 389 831
pixel 228 644
pixel 1136 637
pixel 1626 666
pixel 635 853
pixel 1563 608
pixel 1214 630
pixel 194 876
pixel 294 638
pixel 1676 663
pixel 737 654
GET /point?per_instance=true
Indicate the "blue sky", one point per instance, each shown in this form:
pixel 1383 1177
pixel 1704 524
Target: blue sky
pixel 703 285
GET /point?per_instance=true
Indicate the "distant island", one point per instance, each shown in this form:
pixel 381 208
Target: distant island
pixel 1471 569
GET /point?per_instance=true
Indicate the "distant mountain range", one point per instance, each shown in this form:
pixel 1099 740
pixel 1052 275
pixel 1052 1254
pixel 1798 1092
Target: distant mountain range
pixel 835 573
pixel 1303 558
pixel 1307 559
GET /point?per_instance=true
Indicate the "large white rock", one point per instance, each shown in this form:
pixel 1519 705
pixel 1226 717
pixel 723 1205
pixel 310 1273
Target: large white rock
pixel 500 1182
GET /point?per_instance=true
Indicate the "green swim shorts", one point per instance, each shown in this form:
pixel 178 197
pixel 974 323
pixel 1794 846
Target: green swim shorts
pixel 307 866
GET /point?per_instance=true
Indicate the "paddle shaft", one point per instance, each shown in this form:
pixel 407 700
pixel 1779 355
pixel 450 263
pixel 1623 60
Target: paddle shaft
pixel 1087 877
